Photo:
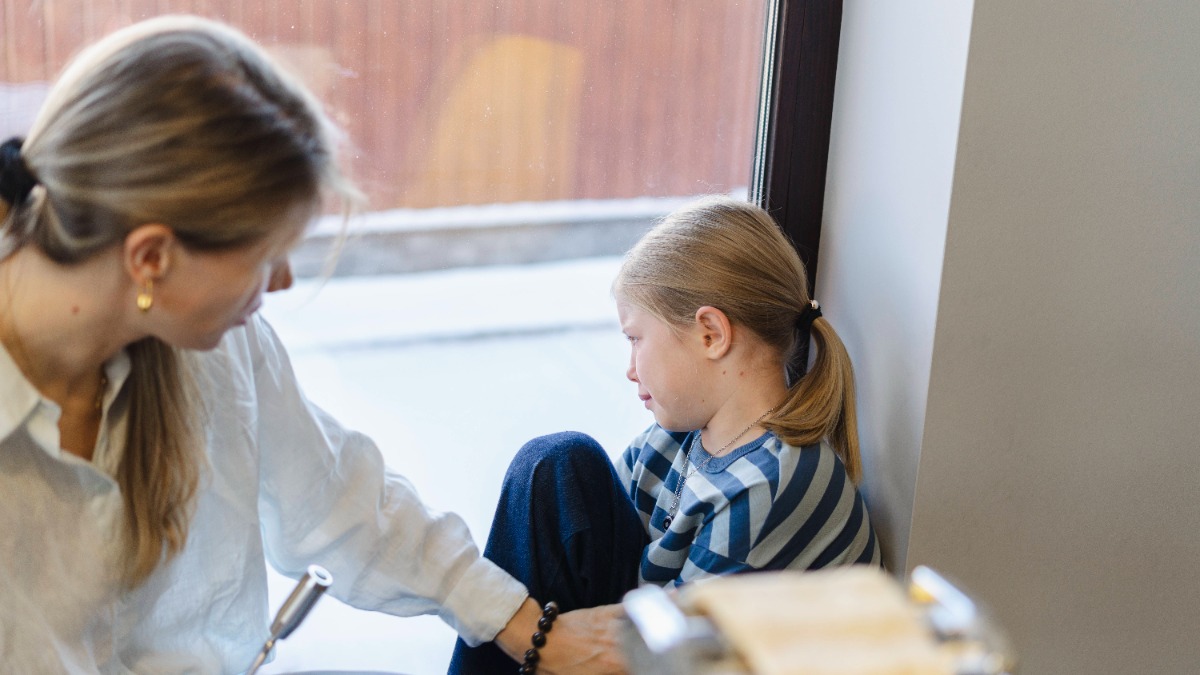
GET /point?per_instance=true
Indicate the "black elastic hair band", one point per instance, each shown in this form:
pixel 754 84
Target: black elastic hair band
pixel 16 181
pixel 805 320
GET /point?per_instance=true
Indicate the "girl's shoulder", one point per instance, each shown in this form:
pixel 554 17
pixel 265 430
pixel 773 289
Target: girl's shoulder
pixel 769 460
pixel 657 440
pixel 654 449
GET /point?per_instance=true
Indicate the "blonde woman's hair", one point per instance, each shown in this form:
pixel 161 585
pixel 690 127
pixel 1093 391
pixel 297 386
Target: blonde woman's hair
pixel 731 255
pixel 186 122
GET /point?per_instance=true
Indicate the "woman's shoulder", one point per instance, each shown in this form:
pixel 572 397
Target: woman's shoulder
pixel 246 346
pixel 242 356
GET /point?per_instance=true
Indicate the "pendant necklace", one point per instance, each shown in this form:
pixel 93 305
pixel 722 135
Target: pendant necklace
pixel 688 472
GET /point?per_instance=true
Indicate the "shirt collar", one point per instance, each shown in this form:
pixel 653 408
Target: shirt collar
pixel 116 370
pixel 18 398
pixel 108 450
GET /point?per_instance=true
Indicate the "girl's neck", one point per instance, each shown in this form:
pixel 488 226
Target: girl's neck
pixel 746 391
pixel 58 323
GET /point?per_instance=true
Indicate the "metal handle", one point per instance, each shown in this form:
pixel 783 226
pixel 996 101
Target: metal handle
pixel 297 606
pixel 309 589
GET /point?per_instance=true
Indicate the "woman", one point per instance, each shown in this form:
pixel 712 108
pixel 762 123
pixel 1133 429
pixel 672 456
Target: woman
pixel 154 444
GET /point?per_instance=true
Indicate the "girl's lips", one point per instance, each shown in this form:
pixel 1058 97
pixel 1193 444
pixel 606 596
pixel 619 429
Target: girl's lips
pixel 645 399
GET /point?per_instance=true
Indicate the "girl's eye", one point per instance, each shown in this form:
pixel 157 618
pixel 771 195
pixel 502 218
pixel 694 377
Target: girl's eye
pixel 631 339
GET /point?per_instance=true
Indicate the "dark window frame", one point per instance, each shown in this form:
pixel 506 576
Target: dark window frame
pixel 795 114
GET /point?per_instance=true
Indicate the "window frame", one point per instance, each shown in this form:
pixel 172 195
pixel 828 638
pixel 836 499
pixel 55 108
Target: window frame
pixel 795 114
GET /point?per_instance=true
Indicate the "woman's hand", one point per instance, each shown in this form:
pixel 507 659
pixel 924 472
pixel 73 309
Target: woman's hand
pixel 583 641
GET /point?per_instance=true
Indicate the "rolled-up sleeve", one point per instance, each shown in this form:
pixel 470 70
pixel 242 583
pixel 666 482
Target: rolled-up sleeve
pixel 326 497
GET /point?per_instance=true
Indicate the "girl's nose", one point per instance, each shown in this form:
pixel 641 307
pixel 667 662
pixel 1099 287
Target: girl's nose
pixel 631 371
pixel 281 276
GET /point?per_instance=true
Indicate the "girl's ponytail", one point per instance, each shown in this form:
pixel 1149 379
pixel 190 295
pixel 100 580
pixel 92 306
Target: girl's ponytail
pixel 820 404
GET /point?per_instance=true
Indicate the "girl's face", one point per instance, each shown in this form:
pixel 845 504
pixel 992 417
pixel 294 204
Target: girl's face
pixel 667 366
pixel 208 292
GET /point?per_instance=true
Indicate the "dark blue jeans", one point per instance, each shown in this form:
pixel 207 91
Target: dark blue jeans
pixel 566 528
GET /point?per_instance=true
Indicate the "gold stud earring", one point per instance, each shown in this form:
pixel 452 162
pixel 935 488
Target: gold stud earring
pixel 145 297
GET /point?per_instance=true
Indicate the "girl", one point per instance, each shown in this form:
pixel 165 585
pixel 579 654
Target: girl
pixel 154 444
pixel 751 463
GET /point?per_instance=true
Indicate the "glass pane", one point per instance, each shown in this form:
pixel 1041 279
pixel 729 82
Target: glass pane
pixel 511 151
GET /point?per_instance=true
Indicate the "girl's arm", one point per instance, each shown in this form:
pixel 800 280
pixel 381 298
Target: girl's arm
pixel 804 513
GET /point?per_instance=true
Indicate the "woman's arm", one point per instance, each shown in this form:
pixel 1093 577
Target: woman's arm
pixel 326 497
pixel 583 641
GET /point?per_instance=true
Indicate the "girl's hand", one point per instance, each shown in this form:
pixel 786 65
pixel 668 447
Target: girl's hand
pixel 583 641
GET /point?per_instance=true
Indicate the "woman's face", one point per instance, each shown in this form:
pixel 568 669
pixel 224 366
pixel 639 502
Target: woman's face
pixel 666 365
pixel 205 293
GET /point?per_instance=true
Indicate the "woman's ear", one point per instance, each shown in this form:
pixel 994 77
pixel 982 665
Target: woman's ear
pixel 148 252
pixel 715 330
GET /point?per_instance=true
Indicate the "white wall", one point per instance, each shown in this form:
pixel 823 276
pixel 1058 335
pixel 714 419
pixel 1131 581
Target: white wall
pixel 891 162
pixel 1060 473
pixel 1059 468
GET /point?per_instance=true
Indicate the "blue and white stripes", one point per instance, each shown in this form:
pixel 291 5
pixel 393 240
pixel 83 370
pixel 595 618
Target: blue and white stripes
pixel 765 506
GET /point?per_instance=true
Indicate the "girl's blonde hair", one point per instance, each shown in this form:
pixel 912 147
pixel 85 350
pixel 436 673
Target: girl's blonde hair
pixel 731 255
pixel 186 122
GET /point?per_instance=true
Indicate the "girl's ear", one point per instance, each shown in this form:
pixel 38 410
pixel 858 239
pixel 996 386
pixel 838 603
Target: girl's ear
pixel 715 331
pixel 148 251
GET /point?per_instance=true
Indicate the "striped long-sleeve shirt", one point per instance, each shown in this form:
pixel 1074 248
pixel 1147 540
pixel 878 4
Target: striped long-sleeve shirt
pixel 764 506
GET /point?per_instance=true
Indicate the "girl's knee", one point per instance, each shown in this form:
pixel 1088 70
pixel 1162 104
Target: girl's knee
pixel 565 451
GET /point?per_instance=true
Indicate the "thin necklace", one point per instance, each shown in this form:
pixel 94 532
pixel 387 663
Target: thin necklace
pixel 688 472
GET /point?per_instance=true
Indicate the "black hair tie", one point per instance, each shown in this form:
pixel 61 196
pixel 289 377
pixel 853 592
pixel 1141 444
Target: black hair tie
pixel 16 181
pixel 805 320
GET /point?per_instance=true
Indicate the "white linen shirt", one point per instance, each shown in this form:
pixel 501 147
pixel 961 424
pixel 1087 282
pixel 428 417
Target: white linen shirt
pixel 284 482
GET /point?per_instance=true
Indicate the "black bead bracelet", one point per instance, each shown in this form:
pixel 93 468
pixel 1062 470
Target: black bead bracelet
pixel 549 614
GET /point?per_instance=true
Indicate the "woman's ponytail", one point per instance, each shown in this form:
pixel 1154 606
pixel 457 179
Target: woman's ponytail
pixel 160 470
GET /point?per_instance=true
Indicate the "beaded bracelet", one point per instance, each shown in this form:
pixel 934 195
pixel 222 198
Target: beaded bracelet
pixel 549 614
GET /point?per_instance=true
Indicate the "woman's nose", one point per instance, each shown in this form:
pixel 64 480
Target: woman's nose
pixel 281 276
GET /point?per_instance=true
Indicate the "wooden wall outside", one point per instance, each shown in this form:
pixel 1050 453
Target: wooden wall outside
pixel 461 102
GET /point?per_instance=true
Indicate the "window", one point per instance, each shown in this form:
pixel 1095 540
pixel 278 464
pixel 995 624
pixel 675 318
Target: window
pixel 511 151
